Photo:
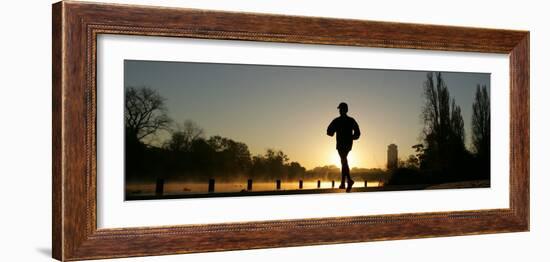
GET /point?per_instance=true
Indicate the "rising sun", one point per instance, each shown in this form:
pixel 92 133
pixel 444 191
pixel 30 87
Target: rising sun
pixel 335 159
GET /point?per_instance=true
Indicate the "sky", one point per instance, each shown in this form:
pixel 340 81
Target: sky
pixel 288 108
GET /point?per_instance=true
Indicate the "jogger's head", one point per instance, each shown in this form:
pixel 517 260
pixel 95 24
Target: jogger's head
pixel 343 108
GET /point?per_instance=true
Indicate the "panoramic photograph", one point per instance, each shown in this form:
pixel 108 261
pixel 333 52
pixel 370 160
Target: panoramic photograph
pixel 197 130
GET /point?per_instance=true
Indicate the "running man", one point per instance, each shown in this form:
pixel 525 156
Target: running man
pixel 346 130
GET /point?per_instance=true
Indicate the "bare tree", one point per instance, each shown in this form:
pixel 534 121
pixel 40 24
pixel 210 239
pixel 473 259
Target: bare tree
pixel 144 113
pixel 436 112
pixel 457 125
pixel 443 131
pixel 481 121
pixel 436 108
pixel 183 137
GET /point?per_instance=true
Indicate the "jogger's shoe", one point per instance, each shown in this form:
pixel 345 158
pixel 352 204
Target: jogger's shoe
pixel 350 184
pixel 342 186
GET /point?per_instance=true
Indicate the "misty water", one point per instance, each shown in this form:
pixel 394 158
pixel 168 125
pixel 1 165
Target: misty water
pixel 181 187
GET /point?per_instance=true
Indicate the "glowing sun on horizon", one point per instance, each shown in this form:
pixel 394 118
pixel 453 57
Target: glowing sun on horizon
pixel 335 159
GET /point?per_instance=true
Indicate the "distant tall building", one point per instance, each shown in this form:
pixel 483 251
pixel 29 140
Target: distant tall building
pixel 392 156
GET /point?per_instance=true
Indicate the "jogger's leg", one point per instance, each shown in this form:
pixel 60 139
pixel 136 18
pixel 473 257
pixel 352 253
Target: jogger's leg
pixel 345 166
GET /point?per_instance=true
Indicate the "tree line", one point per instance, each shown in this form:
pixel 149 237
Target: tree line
pixel 443 156
pixel 188 154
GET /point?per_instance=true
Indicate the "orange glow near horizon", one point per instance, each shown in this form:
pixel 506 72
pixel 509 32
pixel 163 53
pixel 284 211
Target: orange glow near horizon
pixel 335 159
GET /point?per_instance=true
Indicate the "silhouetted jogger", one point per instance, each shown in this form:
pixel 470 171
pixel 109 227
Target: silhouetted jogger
pixel 347 130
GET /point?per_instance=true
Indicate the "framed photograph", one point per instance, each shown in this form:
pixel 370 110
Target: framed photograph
pixel 182 130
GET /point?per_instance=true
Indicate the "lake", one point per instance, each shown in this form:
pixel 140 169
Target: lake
pixel 182 187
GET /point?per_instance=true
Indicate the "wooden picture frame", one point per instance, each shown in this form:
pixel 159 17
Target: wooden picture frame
pixel 75 28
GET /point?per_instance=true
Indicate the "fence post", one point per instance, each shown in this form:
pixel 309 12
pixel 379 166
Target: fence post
pixel 318 183
pixel 365 183
pixel 278 184
pixel 332 183
pixel 159 189
pixel 249 185
pixel 211 184
pixel 301 184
